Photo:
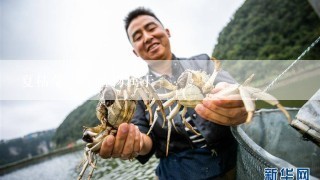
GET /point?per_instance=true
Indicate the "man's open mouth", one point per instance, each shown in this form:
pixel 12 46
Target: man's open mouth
pixel 152 46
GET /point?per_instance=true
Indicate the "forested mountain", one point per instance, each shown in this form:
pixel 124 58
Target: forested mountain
pixel 71 128
pixel 26 147
pixel 270 29
pixel 260 29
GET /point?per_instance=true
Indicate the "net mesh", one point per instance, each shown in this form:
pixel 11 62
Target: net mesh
pixel 270 142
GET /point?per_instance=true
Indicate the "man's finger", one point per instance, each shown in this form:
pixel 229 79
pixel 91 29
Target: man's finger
pixel 206 113
pixel 228 112
pixel 121 137
pixel 219 87
pixel 221 119
pixel 136 148
pixel 129 143
pixel 107 147
pixel 230 101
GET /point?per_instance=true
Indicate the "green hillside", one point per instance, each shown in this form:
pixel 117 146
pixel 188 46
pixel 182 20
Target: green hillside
pixel 71 128
pixel 269 29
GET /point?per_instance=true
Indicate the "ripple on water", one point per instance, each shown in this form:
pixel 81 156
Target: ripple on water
pixel 65 167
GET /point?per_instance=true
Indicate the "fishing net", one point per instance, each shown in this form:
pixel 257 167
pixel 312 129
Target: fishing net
pixel 270 142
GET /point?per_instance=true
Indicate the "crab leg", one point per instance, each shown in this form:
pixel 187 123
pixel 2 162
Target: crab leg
pixel 110 109
pixel 152 102
pixel 209 84
pixel 168 103
pixel 233 89
pixel 96 147
pixel 91 172
pixel 183 116
pixel 247 81
pixel 163 83
pixel 85 166
pixel 168 137
pixel 269 99
pixel 131 112
pixel 90 157
pixel 158 101
pixel 167 95
pixel 174 112
pixel 146 103
pixel 154 122
pixel 248 103
pixel 126 109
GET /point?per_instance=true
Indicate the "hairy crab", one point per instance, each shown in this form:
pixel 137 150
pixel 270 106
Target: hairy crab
pixel 116 106
pixel 191 88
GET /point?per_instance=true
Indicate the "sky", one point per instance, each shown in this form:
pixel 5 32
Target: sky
pixel 54 55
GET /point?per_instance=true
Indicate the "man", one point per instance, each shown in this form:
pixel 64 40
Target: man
pixel 207 156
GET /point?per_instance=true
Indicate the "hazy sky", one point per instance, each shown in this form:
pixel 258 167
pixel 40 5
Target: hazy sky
pixel 57 54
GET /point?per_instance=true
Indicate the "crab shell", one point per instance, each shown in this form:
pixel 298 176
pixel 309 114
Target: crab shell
pixel 199 78
pixel 119 112
pixel 189 96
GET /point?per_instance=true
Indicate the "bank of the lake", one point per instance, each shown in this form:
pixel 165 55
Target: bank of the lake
pixel 67 167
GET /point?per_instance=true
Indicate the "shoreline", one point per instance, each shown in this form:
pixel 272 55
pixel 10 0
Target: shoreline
pixel 5 169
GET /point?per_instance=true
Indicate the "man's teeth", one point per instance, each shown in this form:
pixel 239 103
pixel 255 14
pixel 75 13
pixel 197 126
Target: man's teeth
pixel 153 46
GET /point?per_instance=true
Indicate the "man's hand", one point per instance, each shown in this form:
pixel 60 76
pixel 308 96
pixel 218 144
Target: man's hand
pixel 128 143
pixel 228 110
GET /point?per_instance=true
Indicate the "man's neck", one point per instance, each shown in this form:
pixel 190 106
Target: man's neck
pixel 162 67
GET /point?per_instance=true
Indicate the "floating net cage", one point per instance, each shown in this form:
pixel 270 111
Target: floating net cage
pixel 270 142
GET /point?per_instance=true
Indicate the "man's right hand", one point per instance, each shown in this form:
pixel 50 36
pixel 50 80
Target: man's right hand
pixel 127 144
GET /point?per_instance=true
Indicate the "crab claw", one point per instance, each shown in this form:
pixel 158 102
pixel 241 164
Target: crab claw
pixel 88 136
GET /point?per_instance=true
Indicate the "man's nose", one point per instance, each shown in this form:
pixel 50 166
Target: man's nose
pixel 147 38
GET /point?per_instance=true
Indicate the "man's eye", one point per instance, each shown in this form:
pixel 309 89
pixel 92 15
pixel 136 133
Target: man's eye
pixel 137 38
pixel 152 28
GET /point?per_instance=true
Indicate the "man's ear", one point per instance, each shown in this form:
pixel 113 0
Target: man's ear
pixel 168 32
pixel 135 53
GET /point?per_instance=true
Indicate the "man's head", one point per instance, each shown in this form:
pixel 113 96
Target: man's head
pixel 148 37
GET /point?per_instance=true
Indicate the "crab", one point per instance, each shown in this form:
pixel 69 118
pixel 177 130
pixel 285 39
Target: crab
pixel 116 106
pixel 191 88
pixel 249 95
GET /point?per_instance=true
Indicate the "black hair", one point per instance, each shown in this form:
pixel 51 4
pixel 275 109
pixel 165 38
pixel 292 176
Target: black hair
pixel 135 13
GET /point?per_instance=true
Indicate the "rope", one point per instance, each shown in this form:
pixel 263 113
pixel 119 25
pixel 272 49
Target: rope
pixel 291 65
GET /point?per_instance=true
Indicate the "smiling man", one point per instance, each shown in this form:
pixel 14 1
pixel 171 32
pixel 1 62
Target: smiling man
pixel 210 155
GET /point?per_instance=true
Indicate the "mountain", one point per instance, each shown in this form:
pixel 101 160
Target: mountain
pixel 26 147
pixel 71 128
pixel 269 29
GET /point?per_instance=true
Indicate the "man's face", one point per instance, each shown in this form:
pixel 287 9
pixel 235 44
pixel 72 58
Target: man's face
pixel 149 39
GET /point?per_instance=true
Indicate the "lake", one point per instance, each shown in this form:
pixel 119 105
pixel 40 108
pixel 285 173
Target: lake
pixel 67 167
